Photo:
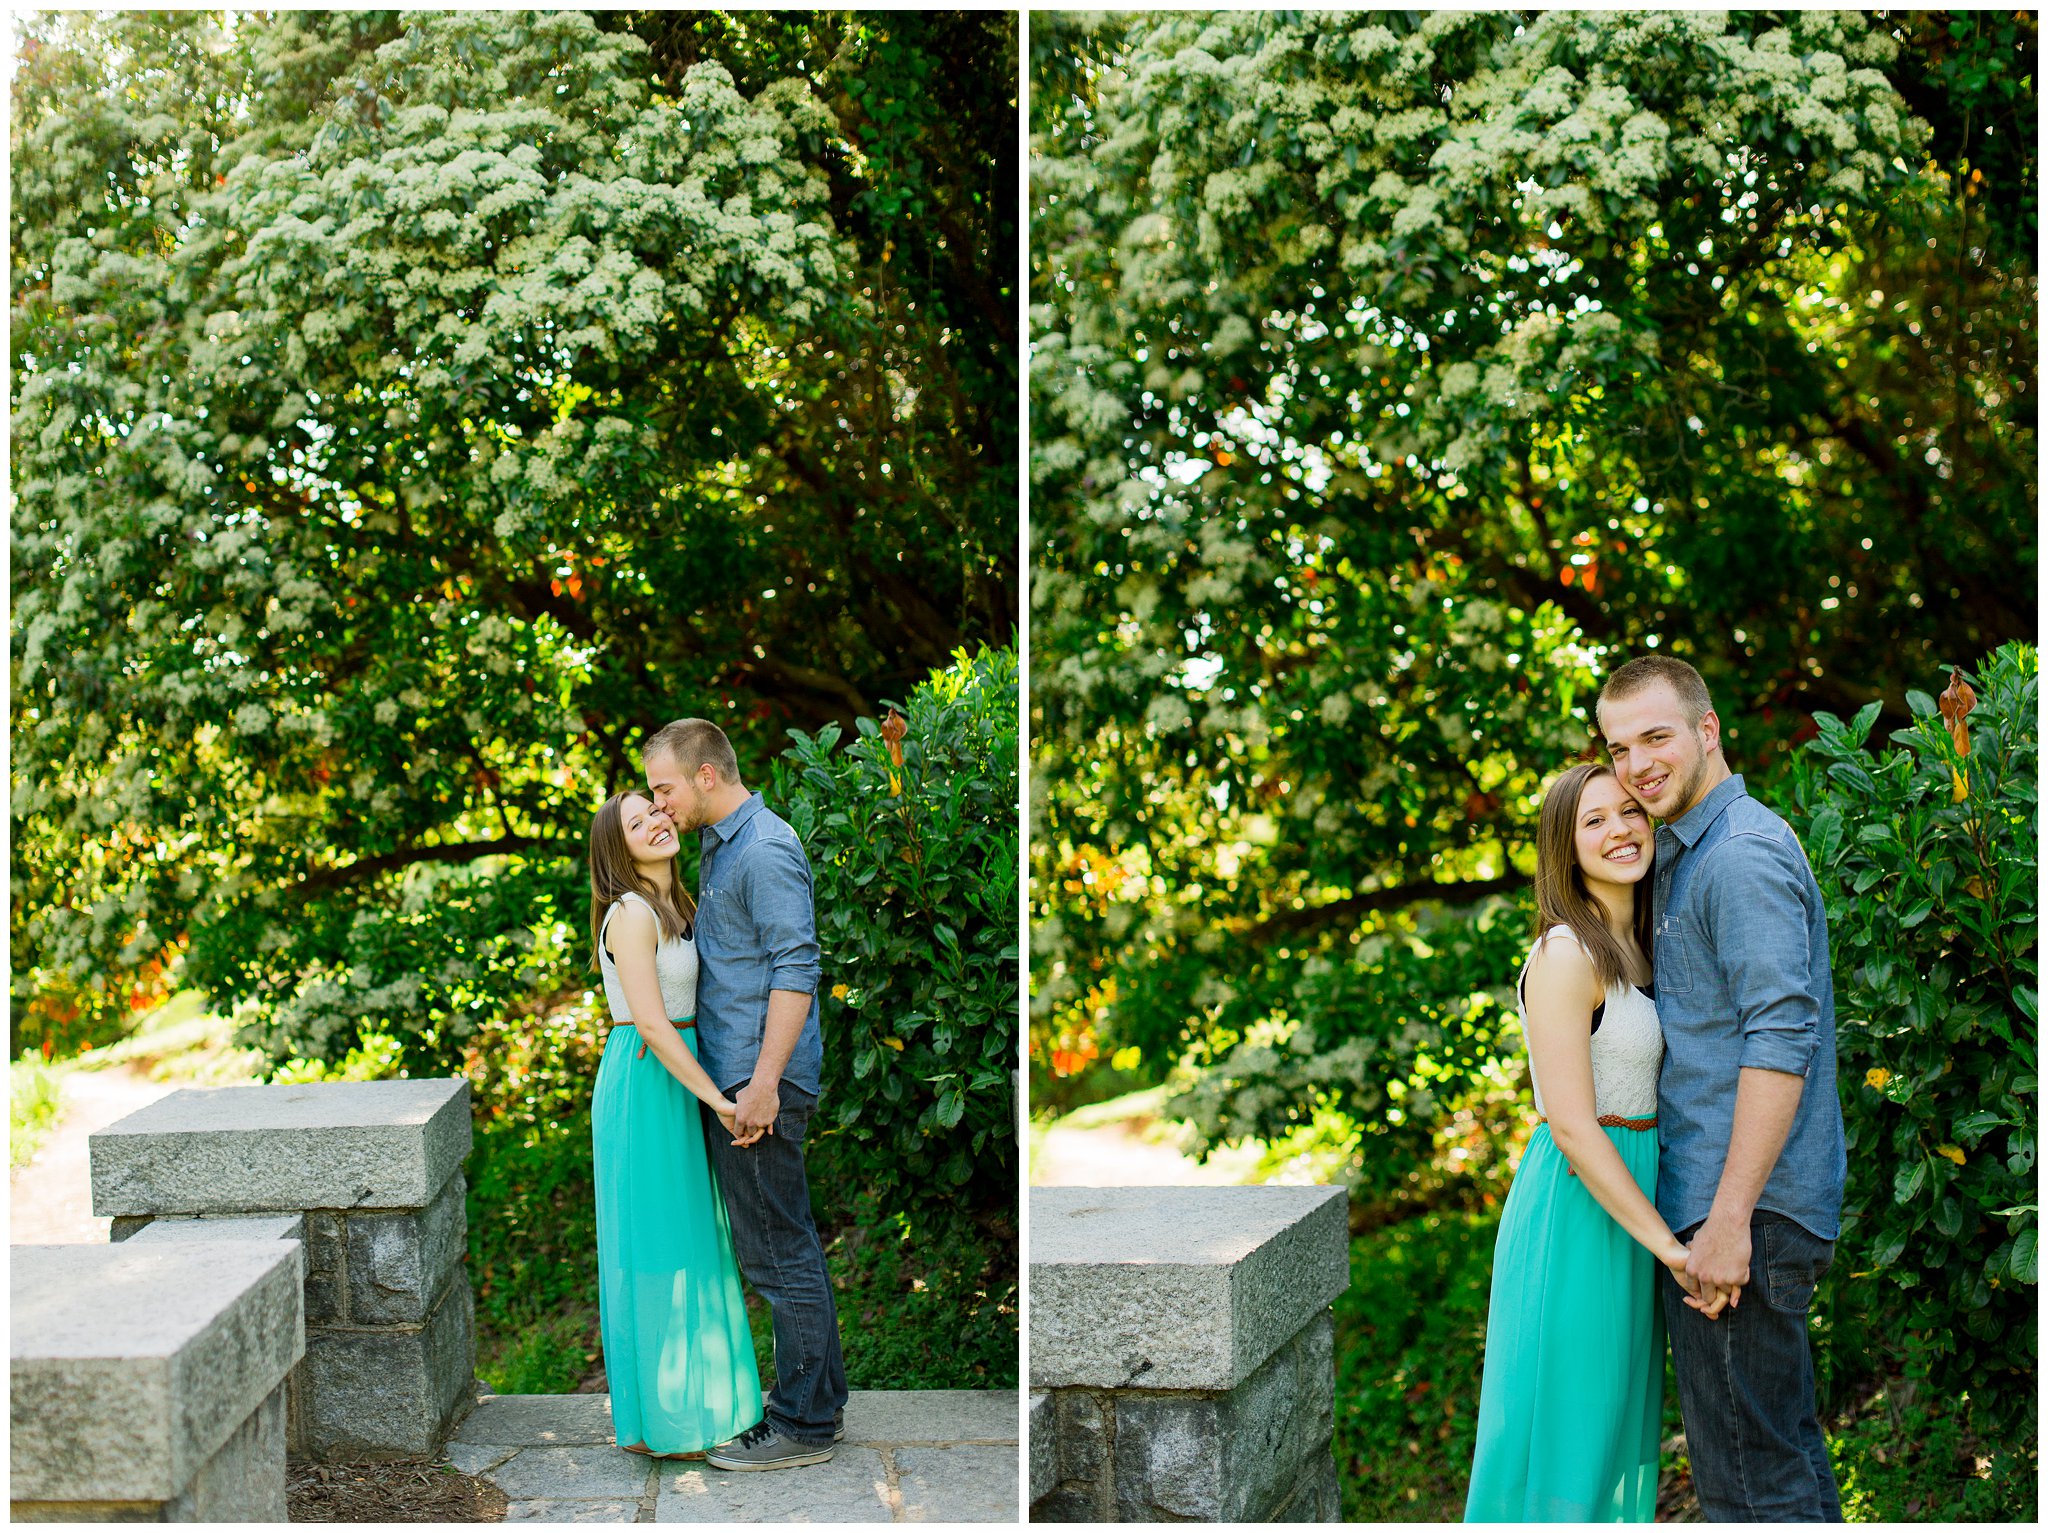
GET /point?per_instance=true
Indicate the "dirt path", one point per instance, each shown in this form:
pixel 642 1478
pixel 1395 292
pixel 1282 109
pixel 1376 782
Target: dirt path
pixel 1118 1155
pixel 50 1198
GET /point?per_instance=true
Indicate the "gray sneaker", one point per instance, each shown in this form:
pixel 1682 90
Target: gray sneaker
pixel 762 1447
pixel 839 1426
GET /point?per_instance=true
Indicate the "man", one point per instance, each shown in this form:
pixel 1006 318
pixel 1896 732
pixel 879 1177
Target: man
pixel 1752 1159
pixel 758 1038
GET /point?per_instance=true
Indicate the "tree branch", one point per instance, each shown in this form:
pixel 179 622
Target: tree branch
pixel 1357 905
pixel 405 857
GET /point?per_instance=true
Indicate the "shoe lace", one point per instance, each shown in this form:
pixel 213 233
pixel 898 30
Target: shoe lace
pixel 756 1435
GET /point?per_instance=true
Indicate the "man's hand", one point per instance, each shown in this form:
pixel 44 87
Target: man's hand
pixel 725 1111
pixel 758 1103
pixel 1719 1259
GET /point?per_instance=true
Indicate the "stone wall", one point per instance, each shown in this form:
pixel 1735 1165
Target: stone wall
pixel 146 1382
pixel 372 1171
pixel 1182 1361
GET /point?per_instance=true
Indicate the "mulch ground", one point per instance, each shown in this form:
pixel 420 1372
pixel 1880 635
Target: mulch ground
pixel 407 1491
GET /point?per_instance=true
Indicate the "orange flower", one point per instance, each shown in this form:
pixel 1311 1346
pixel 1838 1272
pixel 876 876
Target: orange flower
pixel 1955 705
pixel 894 727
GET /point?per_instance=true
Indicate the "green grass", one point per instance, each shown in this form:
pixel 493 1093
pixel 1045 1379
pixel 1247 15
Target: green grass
pixel 1410 1334
pixel 33 1103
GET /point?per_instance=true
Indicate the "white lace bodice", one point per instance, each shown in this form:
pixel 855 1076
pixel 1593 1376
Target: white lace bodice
pixel 675 965
pixel 1628 1049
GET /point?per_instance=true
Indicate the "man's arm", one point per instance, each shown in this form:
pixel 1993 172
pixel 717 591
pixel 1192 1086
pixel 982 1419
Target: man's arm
pixel 779 897
pixel 1757 919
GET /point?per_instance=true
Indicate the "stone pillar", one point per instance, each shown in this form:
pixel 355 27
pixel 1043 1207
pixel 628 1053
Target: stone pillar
pixel 374 1170
pixel 1182 1362
pixel 146 1382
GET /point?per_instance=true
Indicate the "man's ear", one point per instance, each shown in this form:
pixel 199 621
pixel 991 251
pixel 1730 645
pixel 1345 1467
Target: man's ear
pixel 1710 730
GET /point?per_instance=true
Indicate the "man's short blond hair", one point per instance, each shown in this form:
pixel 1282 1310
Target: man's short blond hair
pixel 694 743
pixel 1647 671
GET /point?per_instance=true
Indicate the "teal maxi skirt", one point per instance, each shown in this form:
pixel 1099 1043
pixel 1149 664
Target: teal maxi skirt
pixel 1572 1397
pixel 677 1351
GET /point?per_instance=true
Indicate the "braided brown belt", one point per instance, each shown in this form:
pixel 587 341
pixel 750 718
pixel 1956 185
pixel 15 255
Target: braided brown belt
pixel 679 1022
pixel 1612 1120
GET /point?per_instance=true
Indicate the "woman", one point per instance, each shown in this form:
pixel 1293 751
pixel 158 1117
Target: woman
pixel 677 1351
pixel 1573 1390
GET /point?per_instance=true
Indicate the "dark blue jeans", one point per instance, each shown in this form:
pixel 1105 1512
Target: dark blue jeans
pixel 769 1202
pixel 1745 1384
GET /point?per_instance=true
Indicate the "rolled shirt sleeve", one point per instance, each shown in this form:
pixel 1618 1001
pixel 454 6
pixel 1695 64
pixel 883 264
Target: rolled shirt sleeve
pixel 1756 911
pixel 779 896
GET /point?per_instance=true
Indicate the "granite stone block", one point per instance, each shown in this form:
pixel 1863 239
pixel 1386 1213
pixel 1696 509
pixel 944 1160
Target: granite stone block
pixel 1177 1288
pixel 1263 1423
pixel 1045 1471
pixel 224 1227
pixel 1070 1504
pixel 132 1364
pixel 244 1480
pixel 249 1149
pixel 1168 1459
pixel 398 1263
pixel 388 1393
pixel 326 1269
pixel 1083 1433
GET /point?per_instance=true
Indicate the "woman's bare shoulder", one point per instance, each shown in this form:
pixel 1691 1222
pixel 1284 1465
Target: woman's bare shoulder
pixel 631 918
pixel 1561 968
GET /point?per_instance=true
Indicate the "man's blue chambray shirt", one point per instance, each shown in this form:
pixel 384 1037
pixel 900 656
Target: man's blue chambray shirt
pixel 756 932
pixel 1741 959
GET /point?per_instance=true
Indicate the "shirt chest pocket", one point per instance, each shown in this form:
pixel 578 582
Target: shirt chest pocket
pixel 1676 957
pixel 721 907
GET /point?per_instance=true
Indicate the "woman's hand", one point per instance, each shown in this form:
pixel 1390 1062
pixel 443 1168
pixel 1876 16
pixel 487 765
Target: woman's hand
pixel 725 1111
pixel 1677 1261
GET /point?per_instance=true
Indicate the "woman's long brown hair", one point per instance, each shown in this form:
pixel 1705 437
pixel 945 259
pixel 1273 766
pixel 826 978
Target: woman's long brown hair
pixel 1562 898
pixel 612 874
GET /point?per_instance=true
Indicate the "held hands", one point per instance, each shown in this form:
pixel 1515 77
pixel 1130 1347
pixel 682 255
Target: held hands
pixel 1718 1261
pixel 754 1114
pixel 726 1113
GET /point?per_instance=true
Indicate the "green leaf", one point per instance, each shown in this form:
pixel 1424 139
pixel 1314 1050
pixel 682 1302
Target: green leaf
pixel 1910 1179
pixel 2023 1264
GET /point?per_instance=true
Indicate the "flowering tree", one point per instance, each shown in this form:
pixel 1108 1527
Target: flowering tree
pixel 1389 372
pixel 408 412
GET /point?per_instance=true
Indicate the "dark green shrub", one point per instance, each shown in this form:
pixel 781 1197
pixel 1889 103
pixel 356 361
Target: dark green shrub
pixel 915 868
pixel 1926 855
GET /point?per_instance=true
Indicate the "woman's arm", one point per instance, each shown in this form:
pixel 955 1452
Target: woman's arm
pixel 1559 994
pixel 633 937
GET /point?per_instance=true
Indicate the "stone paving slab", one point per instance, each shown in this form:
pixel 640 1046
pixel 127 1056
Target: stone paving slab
pixel 590 1471
pixel 940 1455
pixel 538 1420
pixel 572 1511
pixel 968 1483
pixel 931 1415
pixel 853 1487
pixel 475 1458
